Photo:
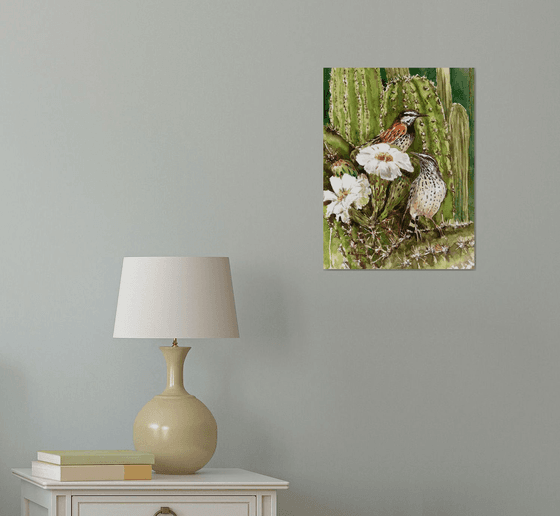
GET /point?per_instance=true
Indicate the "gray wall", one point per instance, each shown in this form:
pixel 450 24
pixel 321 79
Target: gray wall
pixel 194 128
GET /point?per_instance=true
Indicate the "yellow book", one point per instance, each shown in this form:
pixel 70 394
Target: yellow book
pixel 79 457
pixel 137 472
pixel 91 472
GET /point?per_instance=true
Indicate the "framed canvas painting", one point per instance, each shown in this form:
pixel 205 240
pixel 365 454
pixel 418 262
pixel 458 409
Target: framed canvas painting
pixel 398 168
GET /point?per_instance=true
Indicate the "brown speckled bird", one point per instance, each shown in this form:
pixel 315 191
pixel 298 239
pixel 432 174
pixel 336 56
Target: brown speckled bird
pixel 426 193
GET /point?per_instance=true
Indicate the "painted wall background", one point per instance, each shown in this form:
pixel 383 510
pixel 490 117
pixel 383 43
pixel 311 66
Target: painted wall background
pixel 175 128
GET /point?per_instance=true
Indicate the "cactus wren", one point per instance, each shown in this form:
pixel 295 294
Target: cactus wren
pixel 426 193
pixel 400 134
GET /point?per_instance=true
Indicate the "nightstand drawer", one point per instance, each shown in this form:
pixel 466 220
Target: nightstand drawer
pixel 192 505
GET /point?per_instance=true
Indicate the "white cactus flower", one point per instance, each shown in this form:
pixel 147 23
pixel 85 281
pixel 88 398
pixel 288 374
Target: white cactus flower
pixel 384 161
pixel 346 191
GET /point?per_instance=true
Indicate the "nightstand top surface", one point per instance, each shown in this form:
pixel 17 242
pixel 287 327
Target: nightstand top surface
pixel 204 479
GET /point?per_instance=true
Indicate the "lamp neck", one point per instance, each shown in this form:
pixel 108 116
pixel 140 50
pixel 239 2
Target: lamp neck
pixel 175 358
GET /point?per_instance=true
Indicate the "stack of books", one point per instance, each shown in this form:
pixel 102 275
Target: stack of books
pixel 84 465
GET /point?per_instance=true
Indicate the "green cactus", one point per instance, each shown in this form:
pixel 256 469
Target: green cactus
pixel 335 148
pixel 460 140
pixel 342 166
pixel 340 250
pixel 455 249
pixel 354 103
pixel 335 145
pixel 394 73
pixel 332 257
pixel 444 89
pixel 397 195
pixel 431 132
pixel 378 192
pixel 348 247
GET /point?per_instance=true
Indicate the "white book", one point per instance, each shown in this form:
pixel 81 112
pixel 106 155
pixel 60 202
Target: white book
pixel 75 457
pixel 91 472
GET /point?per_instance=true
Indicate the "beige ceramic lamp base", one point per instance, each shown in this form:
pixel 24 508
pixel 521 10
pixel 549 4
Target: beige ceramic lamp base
pixel 175 426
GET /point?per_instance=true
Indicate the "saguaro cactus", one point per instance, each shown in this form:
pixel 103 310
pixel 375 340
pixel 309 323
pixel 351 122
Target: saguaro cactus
pixel 394 73
pixel 354 103
pixel 444 89
pixel 460 136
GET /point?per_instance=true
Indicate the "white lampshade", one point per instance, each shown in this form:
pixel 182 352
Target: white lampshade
pixel 176 297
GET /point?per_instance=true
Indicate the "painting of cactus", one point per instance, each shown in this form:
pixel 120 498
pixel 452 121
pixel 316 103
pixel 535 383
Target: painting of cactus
pixel 398 168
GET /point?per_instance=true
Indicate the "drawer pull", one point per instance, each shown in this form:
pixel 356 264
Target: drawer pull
pixel 165 510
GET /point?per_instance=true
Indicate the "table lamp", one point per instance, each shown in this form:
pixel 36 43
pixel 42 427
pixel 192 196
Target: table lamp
pixel 176 298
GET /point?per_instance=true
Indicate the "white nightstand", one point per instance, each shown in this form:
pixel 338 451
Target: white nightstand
pixel 209 492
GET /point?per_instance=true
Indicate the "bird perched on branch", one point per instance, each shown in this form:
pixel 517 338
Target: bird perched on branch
pixel 426 193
